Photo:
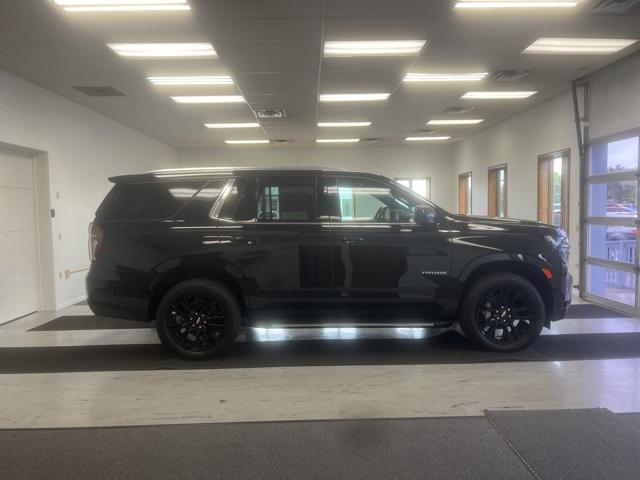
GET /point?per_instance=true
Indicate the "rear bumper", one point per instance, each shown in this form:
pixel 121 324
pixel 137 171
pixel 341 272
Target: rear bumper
pixel 105 299
pixel 562 299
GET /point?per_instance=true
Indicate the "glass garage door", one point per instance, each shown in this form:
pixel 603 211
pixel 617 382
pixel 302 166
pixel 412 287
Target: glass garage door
pixel 611 226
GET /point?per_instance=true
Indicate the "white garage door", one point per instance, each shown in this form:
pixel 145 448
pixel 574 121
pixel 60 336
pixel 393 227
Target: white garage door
pixel 18 278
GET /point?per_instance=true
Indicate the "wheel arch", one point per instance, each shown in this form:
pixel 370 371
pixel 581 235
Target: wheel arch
pixel 167 279
pixel 526 270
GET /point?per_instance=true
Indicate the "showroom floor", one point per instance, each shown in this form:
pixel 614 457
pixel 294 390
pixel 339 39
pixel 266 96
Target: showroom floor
pixel 380 403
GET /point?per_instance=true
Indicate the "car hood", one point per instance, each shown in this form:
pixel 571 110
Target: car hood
pixel 475 222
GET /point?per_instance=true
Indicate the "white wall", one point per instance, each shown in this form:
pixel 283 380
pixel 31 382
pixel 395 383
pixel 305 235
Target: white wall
pixel 615 107
pixel 83 148
pixel 518 142
pixel 400 161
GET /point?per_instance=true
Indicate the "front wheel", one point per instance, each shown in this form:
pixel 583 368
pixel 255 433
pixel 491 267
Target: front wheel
pixel 197 319
pixel 502 312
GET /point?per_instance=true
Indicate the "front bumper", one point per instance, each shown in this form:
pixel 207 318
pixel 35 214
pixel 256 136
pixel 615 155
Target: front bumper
pixel 562 299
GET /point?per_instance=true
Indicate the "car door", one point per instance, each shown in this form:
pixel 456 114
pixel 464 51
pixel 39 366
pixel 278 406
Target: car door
pixel 382 257
pixel 269 231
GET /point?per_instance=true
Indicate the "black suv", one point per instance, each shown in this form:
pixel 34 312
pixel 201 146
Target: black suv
pixel 204 252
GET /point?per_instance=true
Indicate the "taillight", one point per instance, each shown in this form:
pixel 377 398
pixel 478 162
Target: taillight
pixel 95 241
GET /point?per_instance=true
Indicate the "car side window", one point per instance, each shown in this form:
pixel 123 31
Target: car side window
pixel 287 199
pixel 240 202
pixel 200 205
pixel 148 200
pixel 369 201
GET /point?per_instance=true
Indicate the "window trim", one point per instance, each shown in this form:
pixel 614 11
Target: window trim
pixel 217 206
pixel 493 171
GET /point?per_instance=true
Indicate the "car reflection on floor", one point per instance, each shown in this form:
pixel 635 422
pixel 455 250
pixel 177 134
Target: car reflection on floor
pixel 274 334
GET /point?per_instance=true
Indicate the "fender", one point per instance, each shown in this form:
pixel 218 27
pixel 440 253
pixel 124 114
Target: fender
pixel 213 265
pixel 536 261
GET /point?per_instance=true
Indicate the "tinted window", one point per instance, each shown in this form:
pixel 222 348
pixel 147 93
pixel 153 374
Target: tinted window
pixel 199 208
pixel 247 201
pixel 368 201
pixel 287 199
pixel 153 200
pixel 241 203
pixel 328 204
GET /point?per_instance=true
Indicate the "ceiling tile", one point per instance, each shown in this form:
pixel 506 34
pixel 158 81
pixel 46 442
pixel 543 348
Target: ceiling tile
pixel 273 50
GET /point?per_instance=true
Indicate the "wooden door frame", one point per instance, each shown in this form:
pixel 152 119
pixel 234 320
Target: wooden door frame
pixel 490 170
pixel 565 154
pixel 468 198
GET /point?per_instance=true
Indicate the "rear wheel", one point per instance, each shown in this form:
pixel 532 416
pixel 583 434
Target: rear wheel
pixel 502 312
pixel 197 319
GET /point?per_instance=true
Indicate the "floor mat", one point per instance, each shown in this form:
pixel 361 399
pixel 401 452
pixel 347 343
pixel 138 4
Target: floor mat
pixel 434 448
pixel 588 310
pixel 446 348
pixel 571 444
pixel 89 322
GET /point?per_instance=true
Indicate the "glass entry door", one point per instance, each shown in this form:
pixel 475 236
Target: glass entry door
pixel 611 225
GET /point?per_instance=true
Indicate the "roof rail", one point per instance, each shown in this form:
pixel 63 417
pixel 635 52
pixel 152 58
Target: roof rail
pixel 230 168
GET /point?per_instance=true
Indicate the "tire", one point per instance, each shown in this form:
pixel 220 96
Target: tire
pixel 198 319
pixel 492 323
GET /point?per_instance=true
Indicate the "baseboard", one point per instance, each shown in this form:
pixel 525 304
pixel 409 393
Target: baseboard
pixel 71 302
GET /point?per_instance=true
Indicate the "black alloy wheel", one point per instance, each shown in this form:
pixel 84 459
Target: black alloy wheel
pixel 505 315
pixel 197 321
pixel 198 318
pixel 502 312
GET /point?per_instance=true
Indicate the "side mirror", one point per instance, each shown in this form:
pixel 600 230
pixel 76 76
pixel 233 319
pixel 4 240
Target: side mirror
pixel 425 214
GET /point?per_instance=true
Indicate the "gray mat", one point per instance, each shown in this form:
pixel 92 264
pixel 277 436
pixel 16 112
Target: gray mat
pixel 93 322
pixel 588 310
pixel 434 448
pixel 573 444
pixel 89 322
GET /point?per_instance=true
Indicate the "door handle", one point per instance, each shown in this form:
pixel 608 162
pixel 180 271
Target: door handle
pixel 237 240
pixel 244 240
pixel 351 239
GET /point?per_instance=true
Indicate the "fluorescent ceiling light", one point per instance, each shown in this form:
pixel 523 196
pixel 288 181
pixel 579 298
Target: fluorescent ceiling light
pixel 129 8
pixel 123 5
pixel 209 99
pixel 337 140
pixel 245 142
pixel 232 125
pixel 484 4
pixel 591 46
pixel 353 97
pixel 425 139
pixel 73 3
pixel 465 121
pixel 163 50
pixel 372 48
pixel 444 77
pixel 499 95
pixel 344 124
pixel 193 80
